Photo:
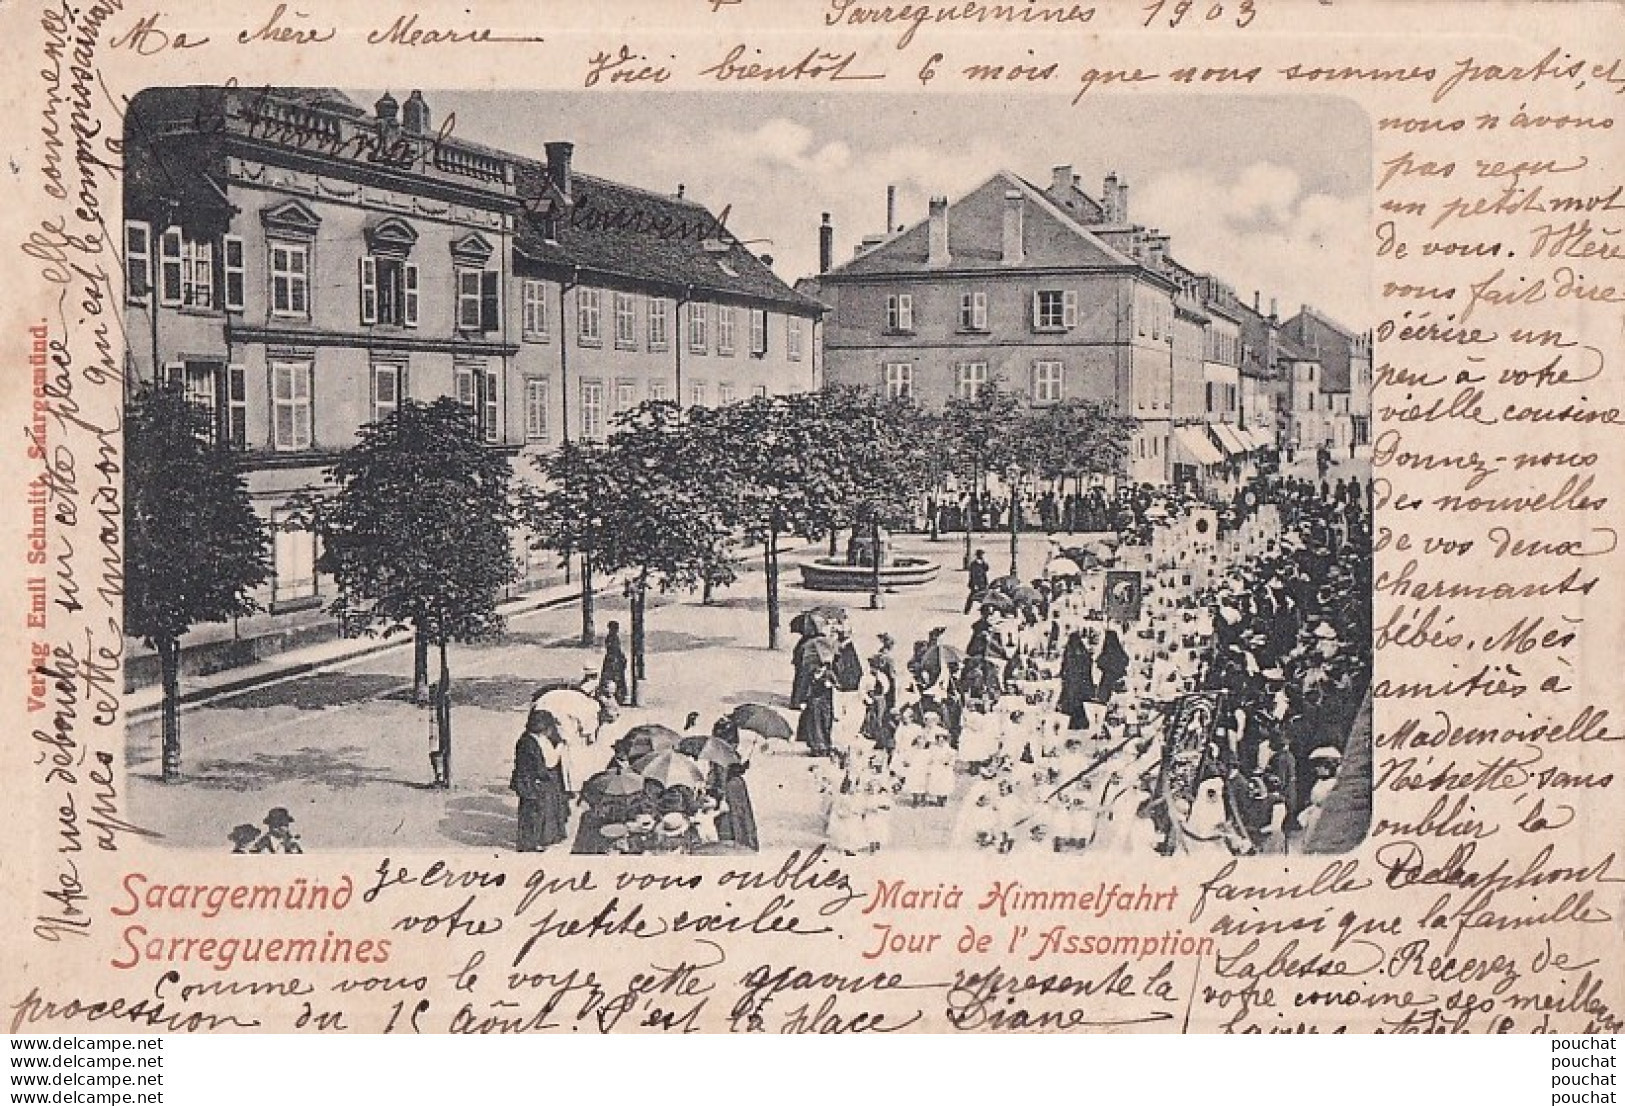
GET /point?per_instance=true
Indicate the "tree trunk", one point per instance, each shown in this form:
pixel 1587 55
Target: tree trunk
pixel 420 669
pixel 169 663
pixel 770 567
pixel 875 602
pixel 639 592
pixel 589 633
pixel 444 707
pixel 834 548
pixel 1015 513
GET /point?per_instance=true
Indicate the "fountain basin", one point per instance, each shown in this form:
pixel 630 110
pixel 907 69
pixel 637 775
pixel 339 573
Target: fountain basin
pixel 836 574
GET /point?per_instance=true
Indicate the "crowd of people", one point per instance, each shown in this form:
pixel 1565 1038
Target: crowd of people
pixel 1207 707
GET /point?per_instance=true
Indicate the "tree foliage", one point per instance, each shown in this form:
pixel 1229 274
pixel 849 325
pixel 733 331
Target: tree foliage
pixel 416 532
pixel 194 550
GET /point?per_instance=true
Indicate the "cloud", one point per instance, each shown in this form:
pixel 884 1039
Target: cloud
pixel 1257 229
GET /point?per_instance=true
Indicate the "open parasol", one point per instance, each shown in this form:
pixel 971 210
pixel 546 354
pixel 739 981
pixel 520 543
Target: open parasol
pixel 670 768
pixel 714 750
pixel 936 657
pixel 1062 566
pixel 616 782
pixel 649 738
pixel 761 720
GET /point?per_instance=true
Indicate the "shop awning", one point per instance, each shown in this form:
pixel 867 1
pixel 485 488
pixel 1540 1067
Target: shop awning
pixel 1192 441
pixel 1262 438
pixel 1230 441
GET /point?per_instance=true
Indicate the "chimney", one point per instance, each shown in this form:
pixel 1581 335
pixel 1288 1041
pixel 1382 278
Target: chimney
pixel 1012 252
pixel 1256 310
pixel 891 210
pixel 1273 315
pixel 1122 201
pixel 416 114
pixel 558 166
pixel 767 259
pixel 388 114
pixel 937 251
pixel 1060 182
pixel 1108 198
pixel 826 245
pixel 1158 246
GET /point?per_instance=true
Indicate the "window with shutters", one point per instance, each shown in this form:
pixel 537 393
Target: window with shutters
pixel 589 317
pixel 726 394
pixel 626 396
pixel 293 559
pixel 899 380
pixel 137 262
pixel 386 389
pixel 536 400
pixel 185 271
pixel 1054 309
pixel 698 328
pixel 970 379
pixel 659 334
pixel 973 311
pixel 478 389
pixel 290 406
pixel 479 300
pixel 234 279
pixel 290 280
pixel 758 333
pixel 1049 381
pixel 697 394
pixel 658 392
pixel 221 392
pixel 725 329
pixel 792 337
pixel 592 410
pixel 626 321
pixel 900 314
pixel 389 291
pixel 533 314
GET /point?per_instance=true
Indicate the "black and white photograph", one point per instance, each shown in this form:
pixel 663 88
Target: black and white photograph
pixel 704 474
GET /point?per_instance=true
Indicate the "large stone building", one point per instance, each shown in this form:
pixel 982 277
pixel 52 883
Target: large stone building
pixel 304 264
pixel 1057 294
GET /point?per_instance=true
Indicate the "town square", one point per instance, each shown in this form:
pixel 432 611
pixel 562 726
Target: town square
pixel 478 500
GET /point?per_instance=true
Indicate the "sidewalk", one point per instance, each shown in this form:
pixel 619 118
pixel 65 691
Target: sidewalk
pixel 145 702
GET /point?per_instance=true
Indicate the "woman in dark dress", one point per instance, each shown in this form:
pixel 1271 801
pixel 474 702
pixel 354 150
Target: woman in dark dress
pixel 737 822
pixel 1077 682
pixel 538 780
pixel 1113 665
pixel 817 721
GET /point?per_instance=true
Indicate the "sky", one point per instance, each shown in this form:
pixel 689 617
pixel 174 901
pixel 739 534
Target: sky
pixel 1269 193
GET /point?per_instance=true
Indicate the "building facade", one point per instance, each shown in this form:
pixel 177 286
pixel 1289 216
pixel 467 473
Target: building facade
pixel 304 264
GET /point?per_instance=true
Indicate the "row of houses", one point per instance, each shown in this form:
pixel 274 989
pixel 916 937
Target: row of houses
pixel 303 264
pixel 1058 294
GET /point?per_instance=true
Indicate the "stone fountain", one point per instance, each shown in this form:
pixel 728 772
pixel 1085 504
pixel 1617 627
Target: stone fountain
pixel 865 559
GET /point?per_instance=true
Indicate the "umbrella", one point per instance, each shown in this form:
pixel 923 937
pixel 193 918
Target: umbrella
pixel 761 720
pixel 575 710
pixel 829 613
pixel 1026 596
pixel 999 601
pixel 935 658
pixel 1062 566
pixel 651 737
pixel 616 782
pixel 714 750
pixel 671 769
pixel 1005 584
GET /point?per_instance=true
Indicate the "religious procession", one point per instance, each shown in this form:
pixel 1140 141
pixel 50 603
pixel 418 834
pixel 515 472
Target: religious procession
pixel 1184 680
pixel 1183 683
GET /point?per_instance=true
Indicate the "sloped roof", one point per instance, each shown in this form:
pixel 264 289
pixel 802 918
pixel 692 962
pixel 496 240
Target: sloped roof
pixel 1051 238
pixel 617 230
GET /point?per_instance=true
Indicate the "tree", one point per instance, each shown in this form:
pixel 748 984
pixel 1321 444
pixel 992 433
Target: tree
pixel 983 432
pixel 194 551
pixel 566 514
pixel 665 525
pixel 416 532
pixel 771 462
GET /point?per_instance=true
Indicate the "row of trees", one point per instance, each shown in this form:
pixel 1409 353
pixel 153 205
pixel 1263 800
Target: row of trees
pixel 415 526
